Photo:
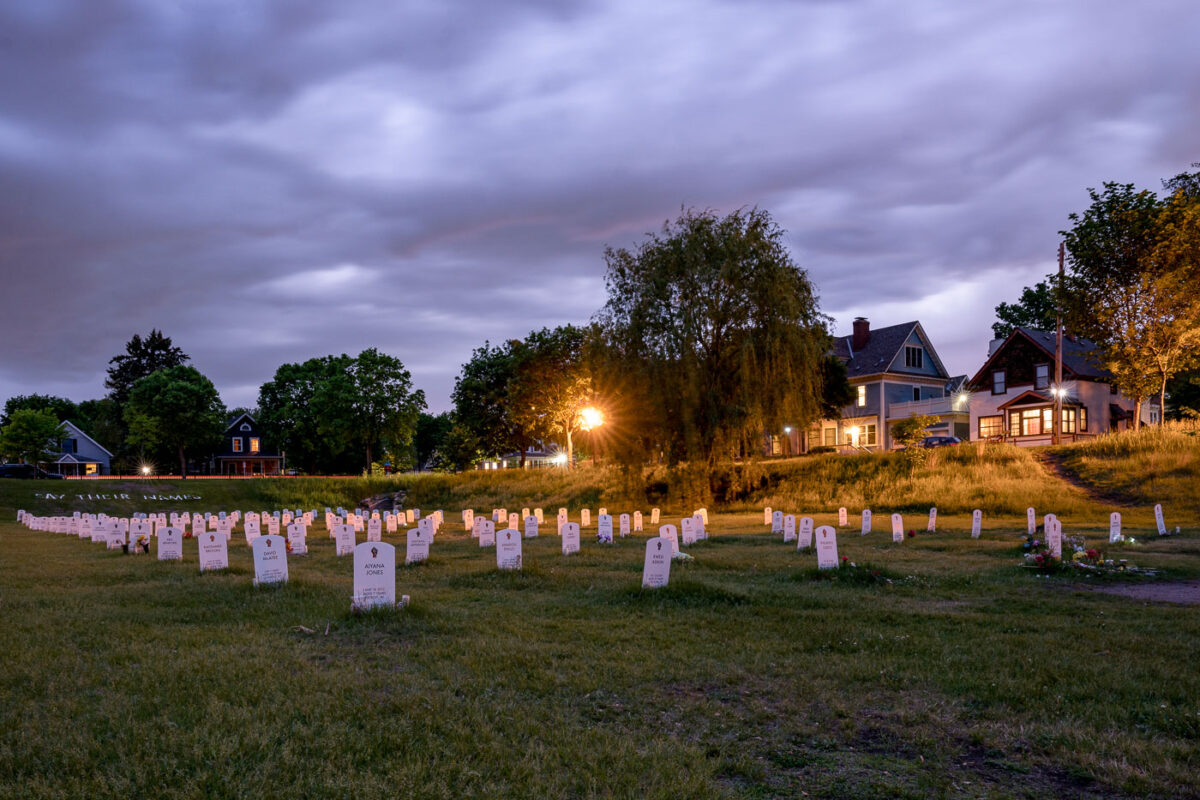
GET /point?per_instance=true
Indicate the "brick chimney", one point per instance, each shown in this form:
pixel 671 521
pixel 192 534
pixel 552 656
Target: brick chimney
pixel 862 334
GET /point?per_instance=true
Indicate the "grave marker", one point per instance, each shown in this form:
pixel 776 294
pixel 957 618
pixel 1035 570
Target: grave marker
pixel 776 522
pixel 866 521
pixel 214 551
pixel 1030 521
pixel 637 521
pixel 570 538
pixel 374 576
pixel 541 516
pixel 252 531
pixel 932 525
pixel 897 528
pixel 297 534
pixel 827 555
pixel 624 523
pixel 604 528
pixel 804 538
pixel 531 527
pixel 842 519
pixel 585 518
pixel 270 559
pixel 170 544
pixel 789 528
pixel 514 521
pixel 468 517
pixel 1053 531
pixel 343 536
pixel 687 531
pixel 1158 519
pixel 1114 528
pixel 767 516
pixel 508 549
pixel 976 523
pixel 487 532
pixel 418 546
pixel 670 534
pixel 656 571
pixel 654 516
pixel 374 530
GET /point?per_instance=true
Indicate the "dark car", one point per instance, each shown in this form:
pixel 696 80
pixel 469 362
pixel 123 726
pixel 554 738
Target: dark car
pixel 940 441
pixel 27 471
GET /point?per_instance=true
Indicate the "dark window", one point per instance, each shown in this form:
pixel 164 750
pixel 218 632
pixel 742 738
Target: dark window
pixel 1043 376
pixel 70 446
pixel 916 393
pixel 914 357
pixel 999 385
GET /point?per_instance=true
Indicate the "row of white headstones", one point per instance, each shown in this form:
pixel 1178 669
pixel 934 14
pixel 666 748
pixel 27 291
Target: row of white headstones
pixel 803 533
pixel 374 560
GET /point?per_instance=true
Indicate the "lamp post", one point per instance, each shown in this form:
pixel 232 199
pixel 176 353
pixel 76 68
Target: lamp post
pixel 591 418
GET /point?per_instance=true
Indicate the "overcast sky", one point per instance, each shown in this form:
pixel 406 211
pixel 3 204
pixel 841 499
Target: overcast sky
pixel 269 182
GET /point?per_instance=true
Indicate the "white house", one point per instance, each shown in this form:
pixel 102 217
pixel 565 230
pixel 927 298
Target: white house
pixel 80 454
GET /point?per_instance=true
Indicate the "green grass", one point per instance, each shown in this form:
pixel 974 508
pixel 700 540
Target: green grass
pixel 936 668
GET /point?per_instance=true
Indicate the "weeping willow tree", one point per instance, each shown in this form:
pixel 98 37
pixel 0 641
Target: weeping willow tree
pixel 713 337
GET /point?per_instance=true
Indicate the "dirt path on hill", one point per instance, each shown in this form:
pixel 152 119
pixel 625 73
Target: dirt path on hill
pixel 1053 465
pixel 1186 592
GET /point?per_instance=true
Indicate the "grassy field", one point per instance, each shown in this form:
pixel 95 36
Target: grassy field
pixel 933 668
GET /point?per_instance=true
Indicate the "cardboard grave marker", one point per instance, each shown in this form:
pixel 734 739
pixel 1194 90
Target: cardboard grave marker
pixel 252 530
pixel 804 538
pixel 531 527
pixel 931 526
pixel 604 528
pixel 418 546
pixel 525 512
pixel 477 525
pixel 570 538
pixel 703 512
pixel 637 521
pixel 225 527
pixel 99 531
pixel 139 534
pixel 85 528
pixel 976 523
pixel 468 516
pixel 487 532
pixel 1158 519
pixel 114 537
pixel 827 555
pixel 701 532
pixel 789 528
pixel 514 521
pixel 297 534
pixel 656 571
pixel 866 521
pixel 374 576
pixel 654 516
pixel 270 559
pixel 842 519
pixel 1053 531
pixel 343 537
pixel 496 515
pixel 670 534
pixel 214 551
pixel 624 525
pixel 170 544
pixel 285 519
pixel 389 523
pixel 428 526
pixel 776 522
pixel 410 516
pixel 687 531
pixel 767 515
pixel 898 528
pixel 1030 521
pixel 602 510
pixel 541 516
pixel 508 549
pixel 1114 528
pixel 374 530
pixel 585 518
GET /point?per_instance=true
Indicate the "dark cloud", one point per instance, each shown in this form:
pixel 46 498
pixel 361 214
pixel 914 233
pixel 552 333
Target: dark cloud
pixel 269 182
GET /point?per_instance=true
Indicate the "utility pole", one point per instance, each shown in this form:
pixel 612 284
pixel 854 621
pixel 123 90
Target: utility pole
pixel 1058 388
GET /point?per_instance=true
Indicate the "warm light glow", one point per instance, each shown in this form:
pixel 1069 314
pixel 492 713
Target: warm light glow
pixel 145 470
pixel 591 417
pixel 853 431
pixel 560 458
pixel 787 429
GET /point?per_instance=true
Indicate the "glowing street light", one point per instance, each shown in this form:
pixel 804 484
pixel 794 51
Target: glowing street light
pixel 560 459
pixel 590 417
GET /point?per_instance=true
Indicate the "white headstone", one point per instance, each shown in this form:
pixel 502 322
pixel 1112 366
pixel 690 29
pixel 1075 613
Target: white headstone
pixel 297 534
pixel 703 512
pixel 468 516
pixel 668 533
pixel 866 521
pixel 514 521
pixel 1030 521
pixel 273 525
pixel 1114 528
pixel 789 528
pixel 170 544
pixel 389 523
pixel 418 546
pixel 827 555
pixel 410 516
pixel 1053 530
pixel 897 528
pixel 487 532
pixel 214 551
pixel 687 531
pixel 585 518
pixel 656 571
pixel 637 521
pixel 776 522
pixel 570 538
pixel 541 516
pixel 560 520
pixel 624 523
pixel 343 536
pixel 976 523
pixel 654 516
pixel 508 549
pixel 602 511
pixel 374 575
pixel 767 516
pixel 804 538
pixel 531 527
pixel 1158 519
pixel 604 528
pixel 932 525
pixel 270 559
pixel 252 530
pixel 842 519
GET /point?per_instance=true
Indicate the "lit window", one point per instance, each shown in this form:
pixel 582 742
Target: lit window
pixel 991 426
pixel 999 385
pixel 1068 420
pixel 862 396
pixel 1083 418
pixel 237 444
pixel 914 357
pixel 253 444
pixel 1042 379
pixel 829 437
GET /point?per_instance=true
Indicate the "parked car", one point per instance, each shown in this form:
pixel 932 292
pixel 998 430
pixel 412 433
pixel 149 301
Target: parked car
pixel 27 471
pixel 940 441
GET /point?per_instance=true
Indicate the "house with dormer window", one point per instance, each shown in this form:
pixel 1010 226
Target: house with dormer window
pixel 246 452
pixel 894 372
pixel 1013 400
pixel 79 455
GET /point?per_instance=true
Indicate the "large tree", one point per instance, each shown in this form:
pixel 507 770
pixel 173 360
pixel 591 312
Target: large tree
pixel 381 405
pixel 62 408
pixel 292 407
pixel 30 434
pixel 430 439
pixel 178 408
pixel 1037 308
pixel 141 358
pixel 1134 260
pixel 720 330
pixel 482 409
pixel 551 386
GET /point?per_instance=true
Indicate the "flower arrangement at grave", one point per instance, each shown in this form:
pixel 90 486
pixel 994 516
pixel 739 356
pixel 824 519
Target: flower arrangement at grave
pixel 1077 558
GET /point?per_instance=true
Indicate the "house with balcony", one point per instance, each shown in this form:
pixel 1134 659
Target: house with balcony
pixel 1013 395
pixel 245 451
pixel 894 372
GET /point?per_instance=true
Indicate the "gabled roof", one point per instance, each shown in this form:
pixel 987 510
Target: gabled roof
pixel 1077 353
pixel 1027 398
pixel 73 428
pixel 882 347
pixel 238 419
